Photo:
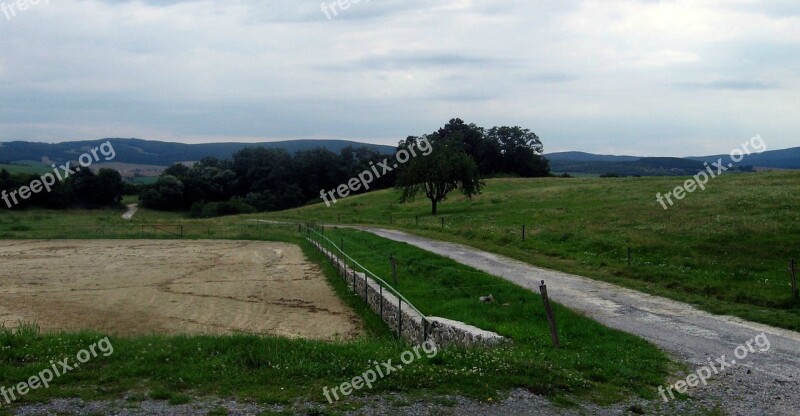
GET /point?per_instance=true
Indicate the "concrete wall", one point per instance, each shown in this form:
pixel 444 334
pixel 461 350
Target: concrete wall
pixel 403 319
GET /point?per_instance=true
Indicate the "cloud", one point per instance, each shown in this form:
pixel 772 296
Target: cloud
pixel 641 74
pixel 734 85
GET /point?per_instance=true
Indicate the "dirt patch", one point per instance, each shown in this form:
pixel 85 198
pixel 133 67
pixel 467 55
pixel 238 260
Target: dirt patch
pixel 135 287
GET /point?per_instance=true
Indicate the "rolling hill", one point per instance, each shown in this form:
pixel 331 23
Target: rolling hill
pixel 589 163
pixel 148 152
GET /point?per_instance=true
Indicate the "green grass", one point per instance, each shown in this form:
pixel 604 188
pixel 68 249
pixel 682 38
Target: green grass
pixel 596 363
pixel 725 249
pixel 594 360
pixel 25 168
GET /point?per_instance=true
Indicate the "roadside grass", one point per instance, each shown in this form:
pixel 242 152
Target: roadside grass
pixel 725 249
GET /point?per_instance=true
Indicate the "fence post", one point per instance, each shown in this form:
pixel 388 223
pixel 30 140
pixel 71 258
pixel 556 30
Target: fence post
pixel 550 317
pixel 523 232
pixel 394 269
pixel 629 256
pixel 443 223
pixel 416 221
pixel 793 271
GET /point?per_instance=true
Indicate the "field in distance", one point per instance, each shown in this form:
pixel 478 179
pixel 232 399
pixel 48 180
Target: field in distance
pixel 725 249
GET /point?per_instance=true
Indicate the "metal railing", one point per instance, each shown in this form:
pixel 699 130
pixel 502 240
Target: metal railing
pixel 326 243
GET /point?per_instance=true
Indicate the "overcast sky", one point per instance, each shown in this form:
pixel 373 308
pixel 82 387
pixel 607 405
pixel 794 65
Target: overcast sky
pixel 671 78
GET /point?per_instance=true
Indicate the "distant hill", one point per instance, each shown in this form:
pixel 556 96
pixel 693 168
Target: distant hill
pixel 588 157
pixel 589 163
pixel 646 166
pixel 148 152
pixel 779 159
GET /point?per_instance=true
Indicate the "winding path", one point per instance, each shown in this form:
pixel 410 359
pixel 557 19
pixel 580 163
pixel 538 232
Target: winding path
pixel 132 208
pixel 765 383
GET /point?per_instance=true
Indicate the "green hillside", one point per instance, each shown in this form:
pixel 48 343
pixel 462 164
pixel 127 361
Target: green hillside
pixel 725 249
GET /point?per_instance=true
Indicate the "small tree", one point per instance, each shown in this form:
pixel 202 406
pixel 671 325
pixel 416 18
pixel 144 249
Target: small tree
pixel 436 175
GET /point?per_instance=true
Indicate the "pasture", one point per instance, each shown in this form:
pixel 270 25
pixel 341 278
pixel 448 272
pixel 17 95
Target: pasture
pixel 725 249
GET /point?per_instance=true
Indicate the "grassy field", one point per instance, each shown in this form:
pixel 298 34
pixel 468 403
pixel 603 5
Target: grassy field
pixel 725 249
pixel 596 363
pixel 28 169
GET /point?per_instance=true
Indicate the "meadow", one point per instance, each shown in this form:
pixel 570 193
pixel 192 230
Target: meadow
pixel 595 363
pixel 725 249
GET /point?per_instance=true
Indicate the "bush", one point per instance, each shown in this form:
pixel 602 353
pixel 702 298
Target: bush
pixel 220 209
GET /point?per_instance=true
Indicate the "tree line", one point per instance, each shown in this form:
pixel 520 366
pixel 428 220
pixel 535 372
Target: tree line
pixel 83 189
pixel 259 179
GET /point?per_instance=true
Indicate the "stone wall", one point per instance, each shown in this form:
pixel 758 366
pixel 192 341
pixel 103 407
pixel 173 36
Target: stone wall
pixel 406 321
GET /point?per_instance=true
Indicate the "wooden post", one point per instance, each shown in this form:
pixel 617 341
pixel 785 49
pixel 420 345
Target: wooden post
pixel 793 271
pixel 394 269
pixel 443 223
pixel 550 317
pixel 416 221
pixel 523 232
pixel 629 256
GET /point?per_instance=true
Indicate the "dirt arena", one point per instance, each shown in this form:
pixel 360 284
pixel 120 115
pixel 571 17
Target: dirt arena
pixel 135 287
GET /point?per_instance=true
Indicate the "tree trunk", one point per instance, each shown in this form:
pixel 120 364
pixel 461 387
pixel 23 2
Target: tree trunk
pixel 433 206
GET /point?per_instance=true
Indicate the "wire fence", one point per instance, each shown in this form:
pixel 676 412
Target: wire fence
pixel 316 234
pixel 167 231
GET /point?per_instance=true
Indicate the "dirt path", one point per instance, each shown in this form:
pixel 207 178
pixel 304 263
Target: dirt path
pixel 765 383
pixel 132 208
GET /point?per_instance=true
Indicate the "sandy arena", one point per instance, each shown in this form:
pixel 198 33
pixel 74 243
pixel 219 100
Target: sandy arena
pixel 136 287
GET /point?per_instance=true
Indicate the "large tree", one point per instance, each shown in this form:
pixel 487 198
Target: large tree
pixel 520 151
pixel 446 169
